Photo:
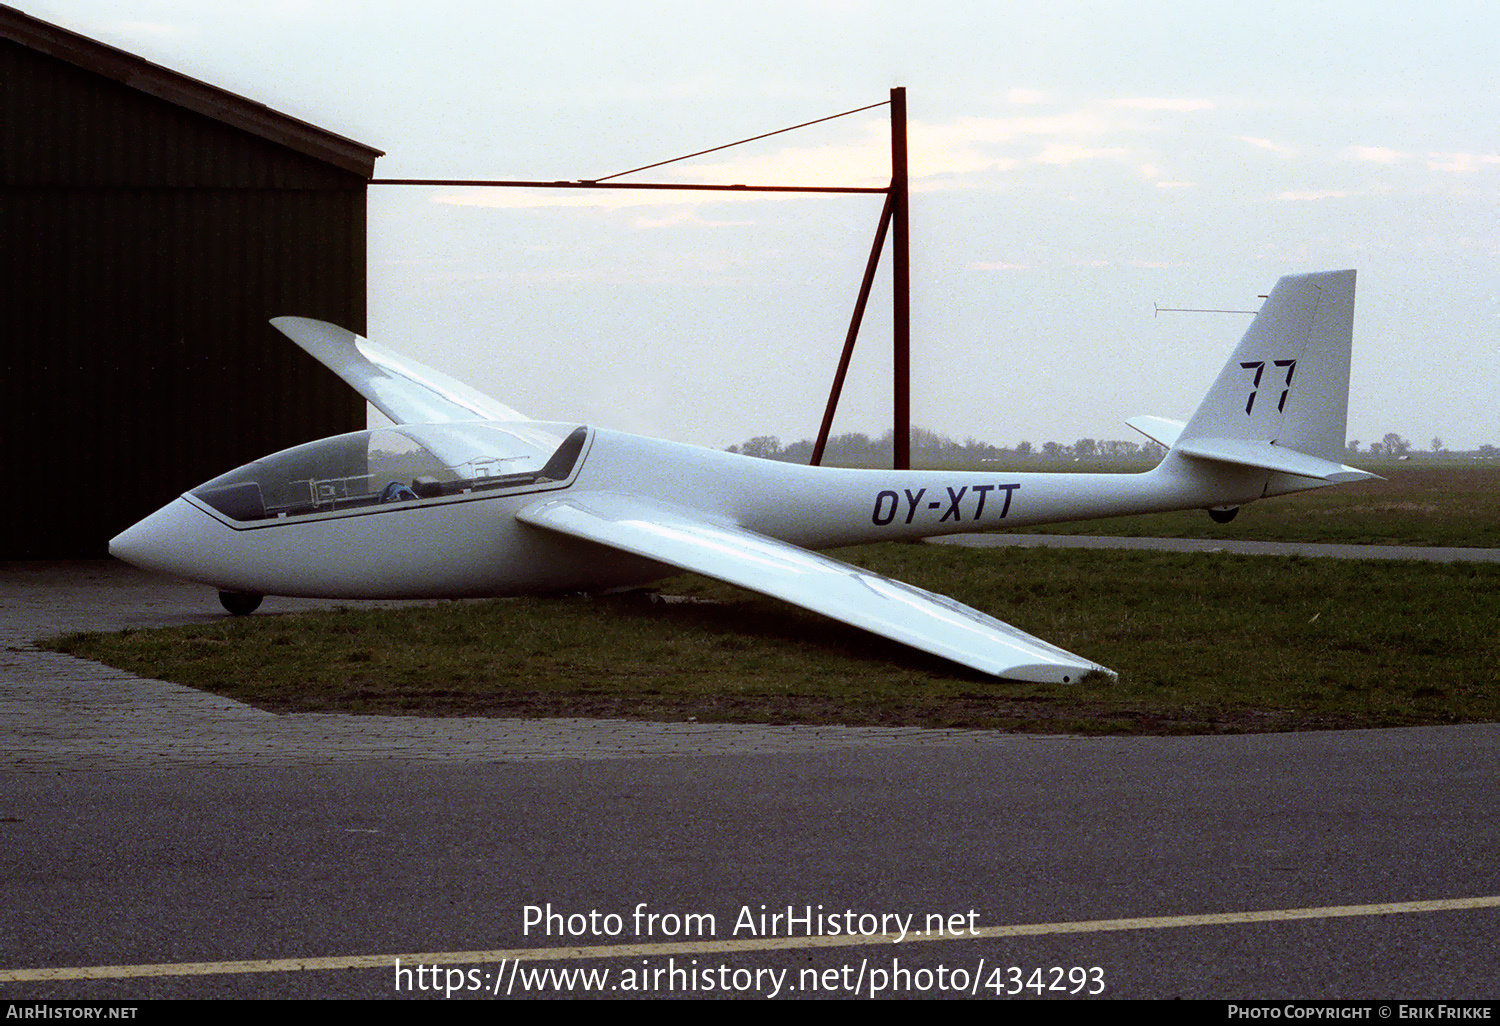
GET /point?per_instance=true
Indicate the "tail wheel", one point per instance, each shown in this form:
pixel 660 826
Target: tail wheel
pixel 240 603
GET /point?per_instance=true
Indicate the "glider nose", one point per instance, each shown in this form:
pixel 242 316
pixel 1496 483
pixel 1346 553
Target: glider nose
pixel 164 541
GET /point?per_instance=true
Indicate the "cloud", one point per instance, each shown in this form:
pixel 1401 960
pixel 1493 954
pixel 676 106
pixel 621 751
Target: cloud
pixel 155 29
pixel 1280 149
pixel 1296 196
pixel 1459 163
pixel 680 218
pixel 1309 195
pixel 1063 153
pixel 998 265
pixel 1375 154
pixel 1028 96
pixel 1082 122
pixel 1152 174
pixel 1163 103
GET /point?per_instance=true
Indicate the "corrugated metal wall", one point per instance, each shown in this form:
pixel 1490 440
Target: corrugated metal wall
pixel 143 248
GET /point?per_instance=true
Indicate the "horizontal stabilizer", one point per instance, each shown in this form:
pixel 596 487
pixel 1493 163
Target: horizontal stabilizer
pixel 1270 456
pixel 404 390
pixel 921 619
pixel 1158 429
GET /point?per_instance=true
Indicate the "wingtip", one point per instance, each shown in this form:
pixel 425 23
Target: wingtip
pixel 1348 475
pixel 1059 673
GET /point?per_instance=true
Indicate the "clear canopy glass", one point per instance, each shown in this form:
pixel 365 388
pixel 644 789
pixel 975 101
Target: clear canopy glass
pixel 405 463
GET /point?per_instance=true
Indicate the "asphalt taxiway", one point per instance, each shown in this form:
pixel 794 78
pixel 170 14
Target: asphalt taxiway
pixel 159 842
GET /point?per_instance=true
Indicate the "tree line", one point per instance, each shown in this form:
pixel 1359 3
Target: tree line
pixel 1394 445
pixel 859 449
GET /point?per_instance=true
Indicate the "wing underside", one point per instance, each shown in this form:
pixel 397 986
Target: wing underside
pixel 924 620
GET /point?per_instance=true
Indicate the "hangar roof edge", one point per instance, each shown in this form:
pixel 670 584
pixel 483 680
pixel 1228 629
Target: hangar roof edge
pixel 165 84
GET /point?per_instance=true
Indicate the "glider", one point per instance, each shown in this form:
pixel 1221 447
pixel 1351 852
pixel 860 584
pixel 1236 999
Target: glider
pixel 464 497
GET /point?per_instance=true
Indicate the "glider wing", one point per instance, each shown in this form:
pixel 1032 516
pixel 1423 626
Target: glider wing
pixel 404 390
pixel 924 620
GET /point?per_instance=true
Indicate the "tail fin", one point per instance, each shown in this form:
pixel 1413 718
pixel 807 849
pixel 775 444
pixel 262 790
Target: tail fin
pixel 1281 401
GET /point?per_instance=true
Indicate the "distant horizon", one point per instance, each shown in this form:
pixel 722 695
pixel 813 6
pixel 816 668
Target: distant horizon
pixel 929 443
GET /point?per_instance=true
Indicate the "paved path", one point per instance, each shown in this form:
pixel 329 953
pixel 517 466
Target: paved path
pixel 1432 554
pixel 62 713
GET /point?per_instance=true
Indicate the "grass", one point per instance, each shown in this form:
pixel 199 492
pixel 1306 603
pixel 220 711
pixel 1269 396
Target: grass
pixel 1204 643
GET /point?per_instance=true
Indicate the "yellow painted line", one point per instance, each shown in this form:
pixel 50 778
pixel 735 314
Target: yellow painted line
pixel 699 947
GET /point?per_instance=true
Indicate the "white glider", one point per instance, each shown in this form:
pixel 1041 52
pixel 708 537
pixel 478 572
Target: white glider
pixel 465 497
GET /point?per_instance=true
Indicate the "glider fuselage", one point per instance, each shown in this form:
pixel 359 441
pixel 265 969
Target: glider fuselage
pixel 470 543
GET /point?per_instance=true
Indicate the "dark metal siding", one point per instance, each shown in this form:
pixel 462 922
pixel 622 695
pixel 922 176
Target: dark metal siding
pixel 142 250
pixel 95 131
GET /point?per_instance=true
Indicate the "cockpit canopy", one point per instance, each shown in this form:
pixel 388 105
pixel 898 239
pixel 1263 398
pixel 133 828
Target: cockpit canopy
pixel 406 463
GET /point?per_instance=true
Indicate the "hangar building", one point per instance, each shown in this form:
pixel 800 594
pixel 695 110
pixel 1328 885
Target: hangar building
pixel 150 226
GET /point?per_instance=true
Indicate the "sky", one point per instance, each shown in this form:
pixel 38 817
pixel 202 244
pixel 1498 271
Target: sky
pixel 1074 166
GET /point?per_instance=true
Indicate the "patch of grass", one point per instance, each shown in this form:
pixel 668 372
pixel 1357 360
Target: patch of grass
pixel 1204 643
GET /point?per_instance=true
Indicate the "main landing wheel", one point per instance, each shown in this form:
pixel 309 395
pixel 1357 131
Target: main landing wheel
pixel 1223 514
pixel 240 603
